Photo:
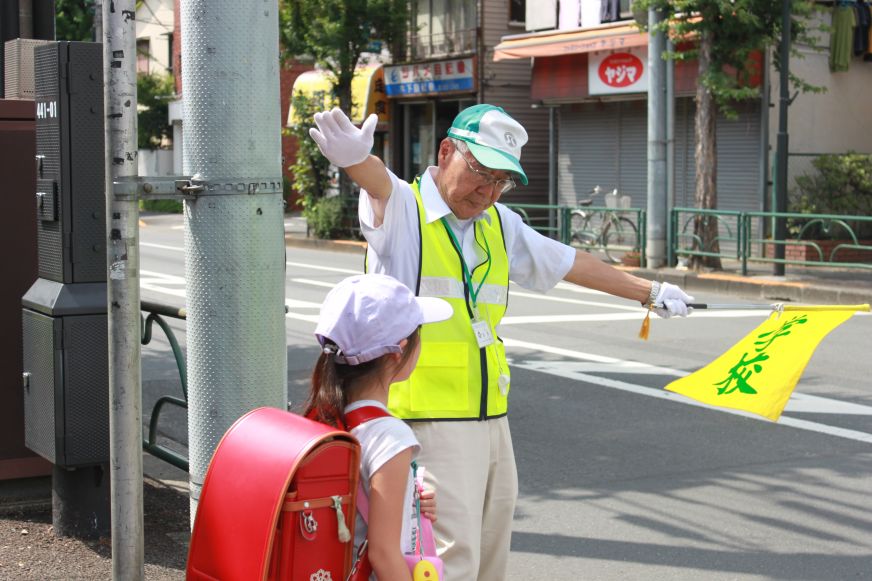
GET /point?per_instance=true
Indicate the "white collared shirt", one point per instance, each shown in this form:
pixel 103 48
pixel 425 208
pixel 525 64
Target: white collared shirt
pixel 536 262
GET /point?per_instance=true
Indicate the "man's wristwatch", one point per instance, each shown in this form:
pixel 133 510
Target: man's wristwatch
pixel 652 296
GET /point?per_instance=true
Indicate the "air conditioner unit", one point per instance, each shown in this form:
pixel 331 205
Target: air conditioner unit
pixel 19 67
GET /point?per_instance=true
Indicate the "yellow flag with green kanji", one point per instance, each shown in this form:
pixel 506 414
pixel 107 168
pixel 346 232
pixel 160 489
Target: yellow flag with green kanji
pixel 759 372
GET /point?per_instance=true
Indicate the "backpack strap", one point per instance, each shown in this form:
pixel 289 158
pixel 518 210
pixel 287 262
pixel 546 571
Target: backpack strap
pixel 353 419
pixel 364 414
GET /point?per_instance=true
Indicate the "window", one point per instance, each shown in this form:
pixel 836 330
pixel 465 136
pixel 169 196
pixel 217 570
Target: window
pixel 517 11
pixel 442 28
pixel 143 53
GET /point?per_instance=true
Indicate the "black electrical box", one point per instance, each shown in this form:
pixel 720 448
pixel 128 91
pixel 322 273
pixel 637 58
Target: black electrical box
pixel 70 180
pixel 65 375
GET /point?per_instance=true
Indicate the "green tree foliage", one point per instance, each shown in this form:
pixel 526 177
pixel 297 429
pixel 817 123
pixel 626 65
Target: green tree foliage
pixel 74 19
pixel 722 35
pixel 312 174
pixel 335 33
pixel 734 29
pixel 153 93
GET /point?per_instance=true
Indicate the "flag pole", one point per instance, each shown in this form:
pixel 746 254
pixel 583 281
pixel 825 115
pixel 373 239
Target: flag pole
pixel 775 307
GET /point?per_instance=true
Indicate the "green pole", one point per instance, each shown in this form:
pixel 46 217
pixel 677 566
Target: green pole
pixel 781 164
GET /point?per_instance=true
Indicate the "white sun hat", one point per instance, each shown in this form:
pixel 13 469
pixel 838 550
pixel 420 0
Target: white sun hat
pixel 367 316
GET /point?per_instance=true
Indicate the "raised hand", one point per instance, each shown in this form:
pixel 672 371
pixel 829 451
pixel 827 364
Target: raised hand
pixel 339 140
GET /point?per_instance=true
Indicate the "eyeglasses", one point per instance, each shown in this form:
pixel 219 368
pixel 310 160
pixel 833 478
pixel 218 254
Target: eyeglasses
pixel 487 178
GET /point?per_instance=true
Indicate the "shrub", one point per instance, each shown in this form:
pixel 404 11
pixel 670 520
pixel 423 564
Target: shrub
pixel 325 217
pixel 841 184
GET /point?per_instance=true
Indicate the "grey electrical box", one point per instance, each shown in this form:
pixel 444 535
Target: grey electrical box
pixel 70 193
pixel 65 379
pixel 64 324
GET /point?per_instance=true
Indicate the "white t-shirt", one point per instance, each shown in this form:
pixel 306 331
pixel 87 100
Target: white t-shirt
pixel 380 440
pixel 536 262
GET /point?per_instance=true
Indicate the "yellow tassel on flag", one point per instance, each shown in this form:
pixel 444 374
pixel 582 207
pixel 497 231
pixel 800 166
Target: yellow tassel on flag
pixel 646 326
pixel 759 373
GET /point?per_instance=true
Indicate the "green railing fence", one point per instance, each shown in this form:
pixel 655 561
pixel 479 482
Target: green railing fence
pixel 156 312
pixel 813 240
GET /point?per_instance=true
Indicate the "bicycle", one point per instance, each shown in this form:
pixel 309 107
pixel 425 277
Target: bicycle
pixel 609 228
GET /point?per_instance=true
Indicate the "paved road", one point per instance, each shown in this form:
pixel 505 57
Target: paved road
pixel 619 479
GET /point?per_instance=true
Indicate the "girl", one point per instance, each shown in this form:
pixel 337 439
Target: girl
pixel 369 332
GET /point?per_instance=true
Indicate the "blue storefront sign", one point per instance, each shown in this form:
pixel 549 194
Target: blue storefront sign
pixel 429 78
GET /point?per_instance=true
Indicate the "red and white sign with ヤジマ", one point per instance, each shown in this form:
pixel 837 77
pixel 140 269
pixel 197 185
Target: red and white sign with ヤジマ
pixel 618 72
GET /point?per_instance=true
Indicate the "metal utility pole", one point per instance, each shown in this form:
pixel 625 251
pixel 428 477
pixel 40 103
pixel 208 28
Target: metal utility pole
pixel 122 256
pixel 782 143
pixel 655 251
pixel 234 226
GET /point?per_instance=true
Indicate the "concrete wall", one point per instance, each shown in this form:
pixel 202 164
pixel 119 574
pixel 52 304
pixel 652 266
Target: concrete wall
pixel 155 162
pixel 836 121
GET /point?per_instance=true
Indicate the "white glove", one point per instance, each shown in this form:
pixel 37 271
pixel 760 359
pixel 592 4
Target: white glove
pixel 672 301
pixel 339 140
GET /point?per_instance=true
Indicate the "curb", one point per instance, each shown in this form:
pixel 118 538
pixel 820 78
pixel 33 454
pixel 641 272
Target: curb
pixel 799 291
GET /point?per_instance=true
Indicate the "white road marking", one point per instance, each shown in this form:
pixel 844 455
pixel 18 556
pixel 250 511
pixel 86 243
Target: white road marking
pixel 313 282
pixel 638 314
pixel 541 297
pixel 161 246
pixel 327 268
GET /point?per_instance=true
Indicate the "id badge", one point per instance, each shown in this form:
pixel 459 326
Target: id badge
pixel 483 334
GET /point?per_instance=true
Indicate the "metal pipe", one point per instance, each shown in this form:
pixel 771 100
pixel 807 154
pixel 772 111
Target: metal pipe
pixel 655 250
pixel 775 307
pixel 670 147
pixel 552 171
pixel 234 228
pixel 122 256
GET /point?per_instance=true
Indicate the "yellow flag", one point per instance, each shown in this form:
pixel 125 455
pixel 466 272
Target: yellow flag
pixel 759 372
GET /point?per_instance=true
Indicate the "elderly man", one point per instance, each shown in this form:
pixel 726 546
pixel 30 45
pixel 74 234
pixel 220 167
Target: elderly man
pixel 445 235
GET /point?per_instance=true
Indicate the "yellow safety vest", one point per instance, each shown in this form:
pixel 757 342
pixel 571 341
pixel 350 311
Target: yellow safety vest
pixel 452 369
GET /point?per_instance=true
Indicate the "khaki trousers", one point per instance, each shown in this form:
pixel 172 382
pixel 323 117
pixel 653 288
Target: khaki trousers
pixel 471 465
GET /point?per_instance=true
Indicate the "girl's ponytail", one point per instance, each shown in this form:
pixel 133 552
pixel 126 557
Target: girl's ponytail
pixel 326 400
pixel 328 395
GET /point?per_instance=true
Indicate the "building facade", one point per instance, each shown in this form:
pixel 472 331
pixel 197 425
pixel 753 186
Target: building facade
pixel 590 66
pixel 448 65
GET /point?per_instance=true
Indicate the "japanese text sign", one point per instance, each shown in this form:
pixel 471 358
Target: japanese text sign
pixel 625 71
pixel 429 78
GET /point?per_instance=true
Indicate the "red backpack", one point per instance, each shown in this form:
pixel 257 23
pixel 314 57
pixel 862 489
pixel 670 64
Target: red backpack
pixel 279 501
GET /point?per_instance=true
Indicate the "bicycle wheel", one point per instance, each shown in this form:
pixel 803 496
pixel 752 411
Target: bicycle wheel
pixel 621 235
pixel 579 222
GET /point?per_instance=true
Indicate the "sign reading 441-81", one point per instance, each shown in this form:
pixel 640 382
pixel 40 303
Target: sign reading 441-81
pixel 624 71
pixel 46 110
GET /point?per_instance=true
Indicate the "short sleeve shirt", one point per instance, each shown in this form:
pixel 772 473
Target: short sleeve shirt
pixel 380 440
pixel 536 262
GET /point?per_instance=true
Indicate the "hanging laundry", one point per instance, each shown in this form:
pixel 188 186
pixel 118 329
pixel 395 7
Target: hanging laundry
pixel 861 31
pixel 842 38
pixel 591 13
pixel 611 10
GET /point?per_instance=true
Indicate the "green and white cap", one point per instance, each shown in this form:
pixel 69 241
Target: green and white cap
pixel 494 138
